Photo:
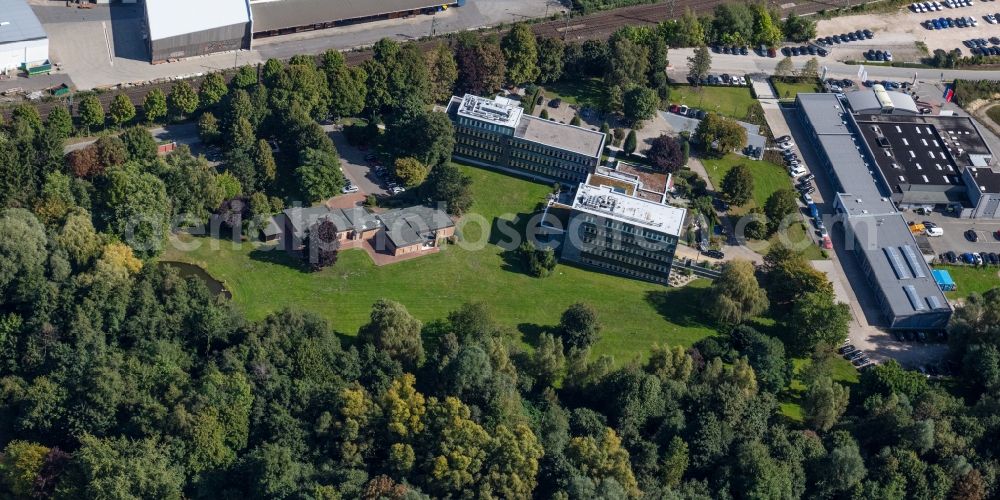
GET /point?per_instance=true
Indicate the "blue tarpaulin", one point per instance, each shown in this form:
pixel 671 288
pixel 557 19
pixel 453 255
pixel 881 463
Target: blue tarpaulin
pixel 943 278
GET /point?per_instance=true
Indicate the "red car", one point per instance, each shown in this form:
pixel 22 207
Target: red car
pixel 997 235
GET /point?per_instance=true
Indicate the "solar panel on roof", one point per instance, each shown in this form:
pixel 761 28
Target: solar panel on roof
pixel 911 293
pixel 911 258
pixel 896 262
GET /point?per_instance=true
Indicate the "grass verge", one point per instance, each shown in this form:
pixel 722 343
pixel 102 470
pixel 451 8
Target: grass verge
pixel 970 279
pixel 634 314
pixel 727 101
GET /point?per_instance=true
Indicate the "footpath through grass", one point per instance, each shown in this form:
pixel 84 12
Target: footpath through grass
pixel 726 101
pixel 634 314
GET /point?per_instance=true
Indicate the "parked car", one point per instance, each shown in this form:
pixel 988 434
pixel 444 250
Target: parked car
pixel 933 231
pixel 996 235
pixel 396 189
pixel 797 171
pixel 968 258
pixel 971 235
pixel 349 188
pixel 554 103
pixel 715 254
pixel 950 257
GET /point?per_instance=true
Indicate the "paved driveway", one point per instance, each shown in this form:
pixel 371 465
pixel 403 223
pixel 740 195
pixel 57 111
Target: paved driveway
pixel 352 160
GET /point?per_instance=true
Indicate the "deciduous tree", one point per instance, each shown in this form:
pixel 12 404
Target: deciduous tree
pixel 319 175
pixel 91 113
pixel 392 329
pixel 737 185
pixel 781 204
pixel 121 110
pixel 640 104
pixel 699 64
pixel 410 171
pixel 521 53
pixel 579 326
pixel 449 185
pixel 823 403
pixel 666 153
pixel 551 59
pixel 182 100
pixel 720 135
pixel 321 245
pixel 735 296
pixel 213 89
pixel 154 105
pixel 59 122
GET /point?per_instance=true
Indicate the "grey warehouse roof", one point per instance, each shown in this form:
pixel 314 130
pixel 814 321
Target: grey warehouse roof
pixel 23 24
pixel 879 231
pixel 866 101
pixel 170 18
pixel 280 14
pixel 860 193
pixel 897 264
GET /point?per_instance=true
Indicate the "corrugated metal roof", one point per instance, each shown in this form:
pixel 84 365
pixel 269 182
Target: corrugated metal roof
pixel 23 24
pixel 169 18
pixel 280 14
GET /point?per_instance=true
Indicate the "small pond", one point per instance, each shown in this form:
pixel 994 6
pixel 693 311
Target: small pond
pixel 190 270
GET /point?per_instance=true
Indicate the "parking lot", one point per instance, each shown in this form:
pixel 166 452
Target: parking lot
pixel 954 238
pixel 356 169
pixel 899 32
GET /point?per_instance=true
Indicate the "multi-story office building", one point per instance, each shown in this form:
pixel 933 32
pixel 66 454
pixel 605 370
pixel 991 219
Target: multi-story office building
pixel 498 133
pixel 615 225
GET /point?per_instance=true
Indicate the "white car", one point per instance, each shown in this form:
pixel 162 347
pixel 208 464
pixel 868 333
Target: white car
pixel 990 19
pixel 797 171
pixel 807 198
pixel 397 190
pixel 934 231
pixel 350 188
pixel 786 145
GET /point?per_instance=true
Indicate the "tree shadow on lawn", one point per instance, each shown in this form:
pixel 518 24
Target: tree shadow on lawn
pixel 273 255
pixel 530 332
pixel 682 306
pixel 508 235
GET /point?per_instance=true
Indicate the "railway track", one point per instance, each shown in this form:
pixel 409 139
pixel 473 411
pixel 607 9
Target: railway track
pixel 597 26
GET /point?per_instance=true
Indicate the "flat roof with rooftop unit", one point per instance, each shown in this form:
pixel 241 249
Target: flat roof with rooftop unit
pixel 926 160
pixel 606 201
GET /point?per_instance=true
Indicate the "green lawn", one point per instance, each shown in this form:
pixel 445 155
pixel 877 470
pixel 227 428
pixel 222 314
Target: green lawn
pixel 969 279
pixel 767 177
pixel 727 101
pixel 790 403
pixel 634 314
pixel 788 90
pixel 586 92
